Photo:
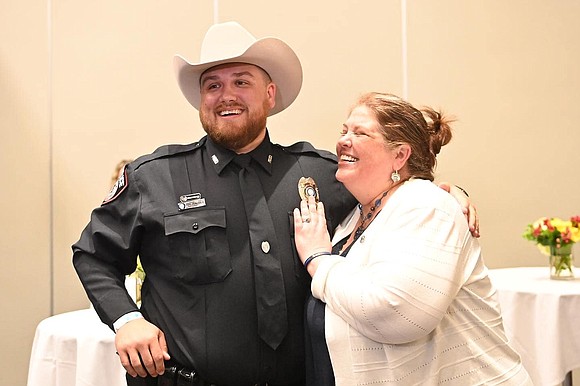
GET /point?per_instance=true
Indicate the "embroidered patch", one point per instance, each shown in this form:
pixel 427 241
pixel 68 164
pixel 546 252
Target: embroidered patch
pixel 118 188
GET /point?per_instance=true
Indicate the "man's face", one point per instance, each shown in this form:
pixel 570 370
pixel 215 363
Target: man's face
pixel 235 101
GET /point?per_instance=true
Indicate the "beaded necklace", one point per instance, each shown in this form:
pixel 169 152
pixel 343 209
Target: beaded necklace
pixel 361 228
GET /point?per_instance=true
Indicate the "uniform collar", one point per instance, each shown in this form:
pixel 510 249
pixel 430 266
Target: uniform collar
pixel 221 157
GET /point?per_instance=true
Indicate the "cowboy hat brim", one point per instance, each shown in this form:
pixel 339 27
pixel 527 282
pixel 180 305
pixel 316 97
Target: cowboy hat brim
pixel 271 54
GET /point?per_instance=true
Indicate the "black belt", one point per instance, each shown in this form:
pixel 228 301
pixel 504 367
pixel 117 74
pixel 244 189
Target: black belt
pixel 184 377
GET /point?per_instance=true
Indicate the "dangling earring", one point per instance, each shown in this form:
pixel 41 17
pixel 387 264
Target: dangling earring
pixel 395 176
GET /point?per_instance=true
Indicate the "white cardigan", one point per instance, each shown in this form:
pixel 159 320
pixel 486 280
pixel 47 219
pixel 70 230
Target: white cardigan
pixel 412 302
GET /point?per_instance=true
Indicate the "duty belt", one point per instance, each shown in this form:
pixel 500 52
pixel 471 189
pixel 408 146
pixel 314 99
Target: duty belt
pixel 184 377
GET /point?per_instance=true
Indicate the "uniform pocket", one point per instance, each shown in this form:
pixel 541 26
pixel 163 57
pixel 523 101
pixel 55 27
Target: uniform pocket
pixel 199 245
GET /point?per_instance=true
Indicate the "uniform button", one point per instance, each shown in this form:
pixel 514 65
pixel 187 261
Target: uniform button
pixel 195 226
pixel 265 246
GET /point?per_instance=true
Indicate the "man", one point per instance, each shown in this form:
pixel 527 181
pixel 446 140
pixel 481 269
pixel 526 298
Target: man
pixel 222 303
pixel 199 298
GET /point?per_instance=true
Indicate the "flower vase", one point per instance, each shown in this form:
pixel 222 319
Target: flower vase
pixel 561 262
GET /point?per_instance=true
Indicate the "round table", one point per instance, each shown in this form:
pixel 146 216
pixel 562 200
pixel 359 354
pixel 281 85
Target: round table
pixel 542 320
pixel 74 349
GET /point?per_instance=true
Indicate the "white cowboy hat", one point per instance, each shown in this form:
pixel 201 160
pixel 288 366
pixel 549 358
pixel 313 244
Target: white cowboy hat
pixel 231 43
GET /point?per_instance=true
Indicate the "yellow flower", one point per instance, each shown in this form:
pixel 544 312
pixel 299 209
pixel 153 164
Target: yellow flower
pixel 575 234
pixel 560 224
pixel 139 273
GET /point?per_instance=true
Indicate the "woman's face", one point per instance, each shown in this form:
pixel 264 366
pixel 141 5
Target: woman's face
pixel 365 163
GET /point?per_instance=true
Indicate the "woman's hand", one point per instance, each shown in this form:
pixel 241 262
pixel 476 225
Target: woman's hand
pixel 311 235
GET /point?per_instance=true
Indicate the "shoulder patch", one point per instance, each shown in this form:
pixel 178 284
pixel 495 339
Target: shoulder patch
pixel 117 188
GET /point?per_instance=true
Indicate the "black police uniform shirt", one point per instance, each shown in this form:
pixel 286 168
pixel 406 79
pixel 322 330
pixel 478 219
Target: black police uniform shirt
pixel 199 288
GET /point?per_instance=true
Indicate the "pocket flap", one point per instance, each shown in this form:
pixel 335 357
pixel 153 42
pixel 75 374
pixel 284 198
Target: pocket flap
pixel 195 221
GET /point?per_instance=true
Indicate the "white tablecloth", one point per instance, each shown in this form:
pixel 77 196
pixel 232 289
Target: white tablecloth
pixel 542 320
pixel 74 349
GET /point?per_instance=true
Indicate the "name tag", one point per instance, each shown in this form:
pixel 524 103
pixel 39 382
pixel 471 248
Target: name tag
pixel 190 201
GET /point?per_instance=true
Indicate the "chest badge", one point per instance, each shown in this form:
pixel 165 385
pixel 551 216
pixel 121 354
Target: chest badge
pixel 190 201
pixel 307 188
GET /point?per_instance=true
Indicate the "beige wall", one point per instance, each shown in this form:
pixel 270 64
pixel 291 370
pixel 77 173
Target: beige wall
pixel 84 85
pixel 25 192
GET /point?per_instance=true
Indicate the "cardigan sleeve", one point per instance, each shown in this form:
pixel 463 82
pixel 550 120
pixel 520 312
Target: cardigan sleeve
pixel 397 282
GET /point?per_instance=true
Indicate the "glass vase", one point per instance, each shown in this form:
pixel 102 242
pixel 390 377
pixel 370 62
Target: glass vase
pixel 561 262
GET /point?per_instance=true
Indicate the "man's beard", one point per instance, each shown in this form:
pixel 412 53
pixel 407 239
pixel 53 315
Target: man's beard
pixel 234 135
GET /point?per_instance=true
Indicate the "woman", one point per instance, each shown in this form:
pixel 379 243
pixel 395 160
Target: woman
pixel 406 293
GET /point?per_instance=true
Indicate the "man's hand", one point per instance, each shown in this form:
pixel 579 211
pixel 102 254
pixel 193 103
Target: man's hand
pixel 467 206
pixel 142 348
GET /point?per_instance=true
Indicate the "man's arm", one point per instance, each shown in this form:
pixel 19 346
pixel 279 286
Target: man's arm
pixel 107 251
